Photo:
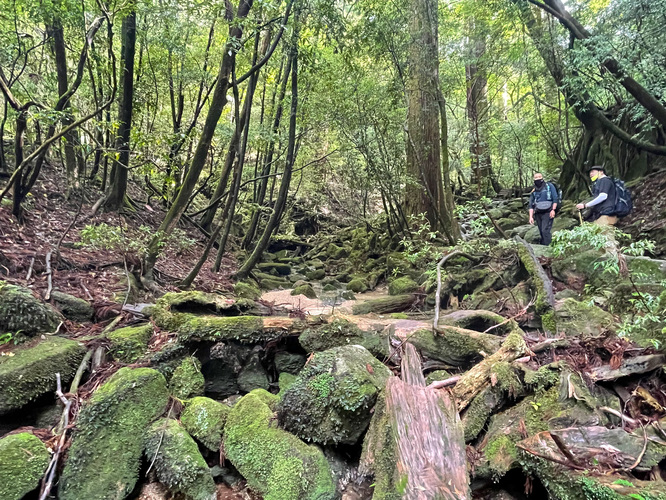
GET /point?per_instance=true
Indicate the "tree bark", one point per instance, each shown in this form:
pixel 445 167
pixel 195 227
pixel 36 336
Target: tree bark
pixel 120 168
pixel 217 104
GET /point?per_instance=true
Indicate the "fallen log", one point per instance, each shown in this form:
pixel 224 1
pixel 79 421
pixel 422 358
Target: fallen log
pixel 415 445
pixel 478 377
pixel 385 305
pixel 455 346
pixel 630 366
pixel 545 299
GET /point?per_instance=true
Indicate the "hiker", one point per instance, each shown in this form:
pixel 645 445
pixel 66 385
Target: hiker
pixel 602 205
pixel 543 206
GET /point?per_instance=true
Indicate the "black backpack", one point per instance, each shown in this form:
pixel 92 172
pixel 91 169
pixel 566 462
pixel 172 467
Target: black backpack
pixel 559 195
pixel 623 202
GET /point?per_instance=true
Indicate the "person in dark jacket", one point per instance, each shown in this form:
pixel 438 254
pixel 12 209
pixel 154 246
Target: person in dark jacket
pixel 602 204
pixel 543 204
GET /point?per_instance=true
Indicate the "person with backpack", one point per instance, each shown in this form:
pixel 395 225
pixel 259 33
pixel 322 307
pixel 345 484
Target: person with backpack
pixel 611 199
pixel 544 201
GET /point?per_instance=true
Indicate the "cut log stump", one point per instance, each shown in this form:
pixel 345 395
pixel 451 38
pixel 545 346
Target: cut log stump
pixel 415 446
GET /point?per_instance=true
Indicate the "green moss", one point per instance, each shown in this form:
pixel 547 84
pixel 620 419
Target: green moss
pixel 384 305
pixel 501 453
pixel 177 461
pixel 246 290
pixel 543 378
pixel 306 290
pixel 285 381
pixel 73 308
pixel 275 267
pixel 217 328
pixel 23 462
pixel 342 332
pixel 315 275
pixel 477 414
pixel 357 285
pixel 335 252
pixel 30 372
pixel 131 343
pixel 398 316
pixel 274 462
pixel 332 398
pixel 105 455
pixel 168 311
pixel 187 380
pixel 436 376
pixel 402 285
pixel 507 379
pixel 21 311
pixel 455 347
pixel 204 419
pixel 582 319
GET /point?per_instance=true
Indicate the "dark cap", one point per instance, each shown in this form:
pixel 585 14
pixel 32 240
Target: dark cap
pixel 596 167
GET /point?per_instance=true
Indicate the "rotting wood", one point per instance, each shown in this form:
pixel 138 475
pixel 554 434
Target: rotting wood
pixel 477 378
pixel 630 366
pixel 545 299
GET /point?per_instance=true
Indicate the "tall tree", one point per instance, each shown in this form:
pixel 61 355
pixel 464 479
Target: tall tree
pixel 425 193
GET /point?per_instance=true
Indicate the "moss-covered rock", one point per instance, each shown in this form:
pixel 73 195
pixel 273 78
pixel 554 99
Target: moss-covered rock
pixel 105 455
pixel 275 463
pixel 315 275
pixel 436 376
pixel 168 309
pixel 73 308
pixel 130 343
pixel 332 398
pixel 21 311
pixel 341 332
pixel 455 346
pixel 581 319
pixel 177 461
pixel 335 252
pixel 285 381
pixel 400 286
pixel 289 362
pixel 480 321
pixel 276 267
pixel 187 380
pixel 31 371
pixel 384 305
pixel 348 295
pixel 204 419
pixel 253 375
pixel 247 290
pixel 23 462
pixel 397 264
pixel 357 285
pixel 306 290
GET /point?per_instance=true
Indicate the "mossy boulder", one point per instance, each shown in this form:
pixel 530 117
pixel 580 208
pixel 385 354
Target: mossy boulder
pixel 204 419
pixel 247 290
pixel 289 362
pixel 275 463
pixel 357 285
pixel 105 455
pixel 73 308
pixel 384 305
pixel 23 462
pixel 332 398
pixel 31 371
pixel 479 320
pixel 400 286
pixel 187 380
pixel 306 290
pixel 21 311
pixel 398 265
pixel 130 343
pixel 168 309
pixel 277 268
pixel 335 252
pixel 285 381
pixel 582 319
pixel 253 375
pixel 177 461
pixel 348 295
pixel 455 346
pixel 341 332
pixel 315 274
pixel 436 376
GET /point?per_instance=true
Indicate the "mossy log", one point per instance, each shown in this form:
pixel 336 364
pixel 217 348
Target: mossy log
pixel 341 332
pixel 545 297
pixel 385 305
pixel 415 446
pixel 479 377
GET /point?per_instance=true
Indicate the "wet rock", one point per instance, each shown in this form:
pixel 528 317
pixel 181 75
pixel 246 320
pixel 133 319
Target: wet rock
pixel 204 419
pixel 187 380
pixel 177 461
pixel 332 398
pixel 21 311
pixel 306 290
pixel 131 343
pixel 275 463
pixel 23 462
pixel 73 308
pixel 253 375
pixel 289 362
pixel 401 286
pixel 31 371
pixel 341 332
pixel 105 455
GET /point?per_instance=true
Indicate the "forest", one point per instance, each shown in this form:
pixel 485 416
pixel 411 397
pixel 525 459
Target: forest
pixel 296 250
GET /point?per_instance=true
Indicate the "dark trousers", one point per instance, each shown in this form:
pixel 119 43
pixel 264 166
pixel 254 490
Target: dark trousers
pixel 545 225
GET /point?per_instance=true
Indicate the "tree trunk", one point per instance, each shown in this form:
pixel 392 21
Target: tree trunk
pixel 424 192
pixel 217 104
pixel 119 170
pixel 416 443
pixel 281 200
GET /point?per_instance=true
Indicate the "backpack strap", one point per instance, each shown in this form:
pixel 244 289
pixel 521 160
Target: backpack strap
pixel 548 195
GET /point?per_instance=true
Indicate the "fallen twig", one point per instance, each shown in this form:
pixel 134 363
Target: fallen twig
pixel 439 384
pixel 32 263
pixel 79 373
pixel 49 276
pixel 522 312
pixel 619 415
pixel 641 455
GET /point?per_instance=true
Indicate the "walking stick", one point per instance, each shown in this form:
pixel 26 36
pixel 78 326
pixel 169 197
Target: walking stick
pixel 580 217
